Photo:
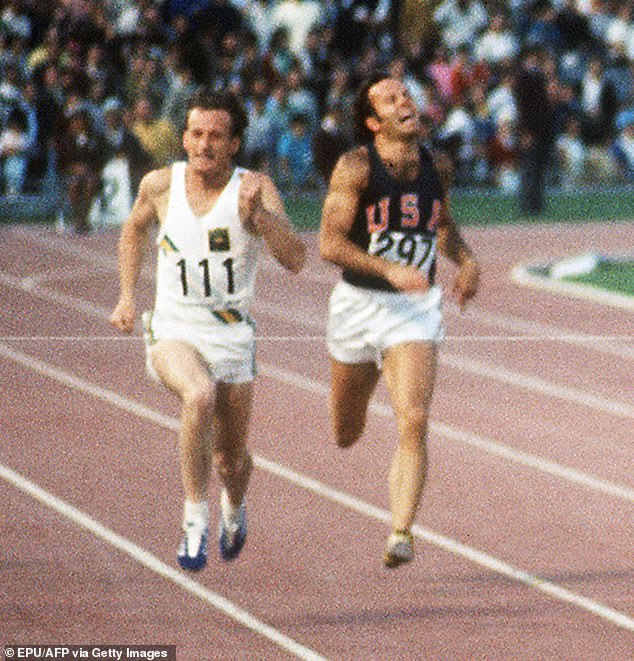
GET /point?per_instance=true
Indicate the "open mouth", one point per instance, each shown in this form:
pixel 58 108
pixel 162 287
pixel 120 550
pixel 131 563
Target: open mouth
pixel 410 117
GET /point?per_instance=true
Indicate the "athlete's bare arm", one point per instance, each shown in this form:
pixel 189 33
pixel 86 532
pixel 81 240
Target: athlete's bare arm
pixel 149 207
pixel 453 246
pixel 348 181
pixel 262 212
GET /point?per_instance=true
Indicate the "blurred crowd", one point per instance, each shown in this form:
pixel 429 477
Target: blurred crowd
pixel 502 85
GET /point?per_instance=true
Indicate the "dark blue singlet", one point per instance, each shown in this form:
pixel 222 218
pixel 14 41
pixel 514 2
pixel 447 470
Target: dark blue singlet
pixel 397 220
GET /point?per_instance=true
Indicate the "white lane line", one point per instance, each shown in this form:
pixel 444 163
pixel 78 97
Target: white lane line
pixel 468 438
pixel 510 377
pixel 540 386
pixel 457 548
pixel 549 331
pixel 155 565
pixel 453 546
pixel 329 275
pixel 453 433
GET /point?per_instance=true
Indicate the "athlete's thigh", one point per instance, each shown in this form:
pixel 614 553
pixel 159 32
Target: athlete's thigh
pixel 232 414
pixel 178 366
pixel 410 372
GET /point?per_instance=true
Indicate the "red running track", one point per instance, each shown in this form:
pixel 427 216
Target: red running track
pixel 524 537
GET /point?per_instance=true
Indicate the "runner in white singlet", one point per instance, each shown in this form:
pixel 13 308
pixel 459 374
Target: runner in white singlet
pixel 212 219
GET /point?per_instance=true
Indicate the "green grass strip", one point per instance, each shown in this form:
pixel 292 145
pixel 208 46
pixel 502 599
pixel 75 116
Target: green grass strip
pixel 612 275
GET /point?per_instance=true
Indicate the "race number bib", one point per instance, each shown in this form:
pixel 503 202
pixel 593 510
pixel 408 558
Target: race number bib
pixel 403 248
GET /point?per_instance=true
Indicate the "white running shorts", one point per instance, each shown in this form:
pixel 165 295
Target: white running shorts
pixel 227 348
pixel 363 323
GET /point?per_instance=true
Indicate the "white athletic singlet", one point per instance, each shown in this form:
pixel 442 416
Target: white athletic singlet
pixel 206 265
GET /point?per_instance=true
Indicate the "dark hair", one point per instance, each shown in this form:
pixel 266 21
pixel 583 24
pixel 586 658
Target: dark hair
pixel 362 108
pixel 205 99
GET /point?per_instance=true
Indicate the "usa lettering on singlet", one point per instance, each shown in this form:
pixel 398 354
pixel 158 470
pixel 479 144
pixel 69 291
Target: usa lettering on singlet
pixel 397 220
pixel 205 264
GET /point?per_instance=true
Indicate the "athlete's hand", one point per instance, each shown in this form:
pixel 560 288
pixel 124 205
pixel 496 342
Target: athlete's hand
pixel 466 283
pixel 250 203
pixel 406 278
pixel 123 316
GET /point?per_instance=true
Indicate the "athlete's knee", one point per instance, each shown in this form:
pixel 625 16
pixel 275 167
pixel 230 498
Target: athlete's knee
pixel 412 423
pixel 199 399
pixel 233 464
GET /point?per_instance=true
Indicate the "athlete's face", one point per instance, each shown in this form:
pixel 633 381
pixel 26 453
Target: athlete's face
pixel 208 141
pixel 396 111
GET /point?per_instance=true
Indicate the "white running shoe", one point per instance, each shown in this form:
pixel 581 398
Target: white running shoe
pixel 232 535
pixel 192 553
pixel 400 549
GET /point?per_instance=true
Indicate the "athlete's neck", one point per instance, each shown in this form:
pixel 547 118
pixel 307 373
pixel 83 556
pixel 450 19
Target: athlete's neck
pixel 401 157
pixel 204 188
pixel 207 180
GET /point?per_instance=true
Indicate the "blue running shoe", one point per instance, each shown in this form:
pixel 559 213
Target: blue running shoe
pixel 192 553
pixel 231 538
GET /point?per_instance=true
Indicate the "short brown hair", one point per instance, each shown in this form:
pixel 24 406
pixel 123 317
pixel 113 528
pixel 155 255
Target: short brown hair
pixel 206 99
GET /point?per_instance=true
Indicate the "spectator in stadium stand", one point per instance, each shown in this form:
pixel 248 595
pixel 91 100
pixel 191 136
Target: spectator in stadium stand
pixel 298 18
pixel 501 96
pixel 598 103
pixel 14 146
pixel 46 111
pixel 439 71
pixel 259 136
pixel 14 21
pixel 295 157
pixel 503 157
pixel 543 31
pixel 619 29
pixel 339 90
pixel 156 134
pixel 301 100
pixel 620 72
pixel 190 9
pixel 359 24
pixel 330 141
pixel 218 19
pixel 460 22
pixel 463 74
pixel 191 51
pixel 622 148
pixel 315 61
pixel 257 14
pixel 80 159
pixel 181 85
pixel 534 126
pixel 248 63
pixel 278 110
pixel 497 44
pixel 278 59
pixel 571 154
pixel 574 28
pixel 120 141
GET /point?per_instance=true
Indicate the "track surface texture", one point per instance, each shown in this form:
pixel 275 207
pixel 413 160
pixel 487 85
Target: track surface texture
pixel 523 540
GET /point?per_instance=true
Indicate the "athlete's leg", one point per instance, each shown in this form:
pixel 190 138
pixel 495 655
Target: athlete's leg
pixel 352 386
pixel 180 367
pixel 409 373
pixel 232 415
